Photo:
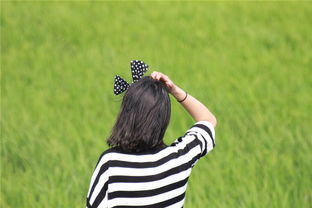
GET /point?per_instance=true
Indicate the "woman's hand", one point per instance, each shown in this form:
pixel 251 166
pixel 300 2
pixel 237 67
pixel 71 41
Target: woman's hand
pixel 171 87
pixel 196 109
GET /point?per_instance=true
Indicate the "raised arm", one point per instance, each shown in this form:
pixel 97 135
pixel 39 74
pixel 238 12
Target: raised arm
pixel 196 109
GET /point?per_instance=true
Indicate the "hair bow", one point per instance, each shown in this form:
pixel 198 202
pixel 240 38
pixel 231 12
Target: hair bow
pixel 138 68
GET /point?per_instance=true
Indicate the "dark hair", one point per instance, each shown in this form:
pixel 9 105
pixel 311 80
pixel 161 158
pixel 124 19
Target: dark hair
pixel 143 118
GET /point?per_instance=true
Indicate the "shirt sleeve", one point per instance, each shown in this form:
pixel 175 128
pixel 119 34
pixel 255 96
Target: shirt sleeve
pixel 197 142
pixel 205 133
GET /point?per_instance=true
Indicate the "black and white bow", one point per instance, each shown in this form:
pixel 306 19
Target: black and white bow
pixel 138 68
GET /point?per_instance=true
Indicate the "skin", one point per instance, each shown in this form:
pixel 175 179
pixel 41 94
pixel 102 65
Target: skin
pixel 195 108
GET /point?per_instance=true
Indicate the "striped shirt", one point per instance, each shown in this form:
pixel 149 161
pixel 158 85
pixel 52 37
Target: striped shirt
pixel 157 179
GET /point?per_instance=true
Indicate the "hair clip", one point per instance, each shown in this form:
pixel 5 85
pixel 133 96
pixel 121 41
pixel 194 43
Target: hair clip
pixel 138 68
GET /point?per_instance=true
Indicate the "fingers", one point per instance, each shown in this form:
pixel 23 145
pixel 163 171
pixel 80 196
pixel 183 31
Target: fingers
pixel 153 75
pixel 164 79
pixel 156 75
pixel 159 76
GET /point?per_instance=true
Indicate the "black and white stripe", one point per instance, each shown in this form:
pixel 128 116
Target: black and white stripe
pixel 157 179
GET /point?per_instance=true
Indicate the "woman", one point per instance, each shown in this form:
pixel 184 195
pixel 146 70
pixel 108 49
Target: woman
pixel 139 170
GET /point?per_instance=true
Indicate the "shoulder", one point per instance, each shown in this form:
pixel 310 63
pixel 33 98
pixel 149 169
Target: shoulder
pixel 200 137
pixel 105 154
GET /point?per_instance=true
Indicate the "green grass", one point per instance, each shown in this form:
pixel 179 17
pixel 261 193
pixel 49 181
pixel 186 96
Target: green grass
pixel 249 62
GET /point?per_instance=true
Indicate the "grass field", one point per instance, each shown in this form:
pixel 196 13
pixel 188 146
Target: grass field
pixel 249 62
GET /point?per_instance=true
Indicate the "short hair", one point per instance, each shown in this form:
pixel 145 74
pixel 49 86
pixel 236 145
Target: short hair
pixel 143 117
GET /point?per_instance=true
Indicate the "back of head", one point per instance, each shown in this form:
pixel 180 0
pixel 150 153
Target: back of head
pixel 143 118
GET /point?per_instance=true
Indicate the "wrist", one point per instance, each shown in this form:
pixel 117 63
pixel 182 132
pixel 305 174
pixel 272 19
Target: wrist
pixel 178 93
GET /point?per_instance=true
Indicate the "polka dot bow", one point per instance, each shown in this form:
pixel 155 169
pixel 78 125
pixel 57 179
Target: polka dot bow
pixel 138 68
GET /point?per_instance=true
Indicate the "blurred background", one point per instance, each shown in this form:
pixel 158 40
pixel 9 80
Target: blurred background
pixel 249 62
